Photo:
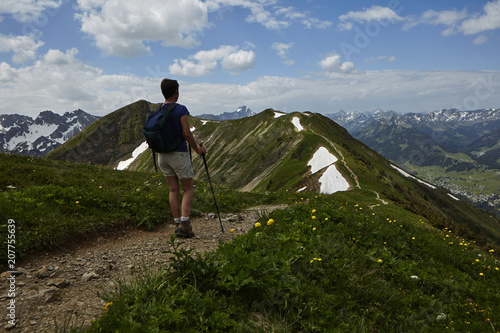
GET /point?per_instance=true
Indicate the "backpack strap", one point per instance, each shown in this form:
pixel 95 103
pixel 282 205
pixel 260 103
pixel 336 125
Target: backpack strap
pixel 154 161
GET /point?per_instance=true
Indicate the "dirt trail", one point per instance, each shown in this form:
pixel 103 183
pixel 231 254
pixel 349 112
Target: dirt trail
pixel 58 286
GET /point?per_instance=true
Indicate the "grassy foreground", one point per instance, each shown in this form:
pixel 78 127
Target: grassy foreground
pixel 318 266
pixel 323 264
pixel 55 202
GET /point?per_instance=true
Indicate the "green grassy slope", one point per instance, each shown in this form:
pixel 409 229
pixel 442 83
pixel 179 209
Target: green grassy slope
pixel 108 140
pixel 56 202
pixel 343 262
pixel 264 153
pixel 321 265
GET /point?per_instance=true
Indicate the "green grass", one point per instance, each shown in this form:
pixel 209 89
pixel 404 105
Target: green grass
pixel 55 202
pixel 323 265
pixel 326 263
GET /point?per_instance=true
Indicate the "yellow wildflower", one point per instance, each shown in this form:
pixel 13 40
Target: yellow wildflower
pixel 271 221
pixel 314 217
pixel 379 261
pixel 231 231
pixel 257 224
pixel 313 211
pixel 108 305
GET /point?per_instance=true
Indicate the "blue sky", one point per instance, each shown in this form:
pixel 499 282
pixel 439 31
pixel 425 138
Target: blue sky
pixel 308 55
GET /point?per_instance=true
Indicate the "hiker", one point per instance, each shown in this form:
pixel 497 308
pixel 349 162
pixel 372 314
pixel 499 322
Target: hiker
pixel 177 165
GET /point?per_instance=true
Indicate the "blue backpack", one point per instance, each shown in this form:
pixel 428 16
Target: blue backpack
pixel 159 130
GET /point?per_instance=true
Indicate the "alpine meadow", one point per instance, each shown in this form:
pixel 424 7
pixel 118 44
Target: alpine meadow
pixel 360 245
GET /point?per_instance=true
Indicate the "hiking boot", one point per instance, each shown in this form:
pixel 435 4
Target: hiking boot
pixel 185 230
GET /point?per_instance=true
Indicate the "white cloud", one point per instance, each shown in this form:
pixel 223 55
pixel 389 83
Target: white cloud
pixel 381 58
pixel 204 62
pixel 59 81
pixel 332 64
pixel 461 21
pixel 282 50
pixel 489 20
pixel 379 14
pixel 402 91
pixel 449 18
pixel 124 27
pixel 261 15
pixel 481 39
pixel 294 15
pixel 7 73
pixel 185 67
pixel 58 58
pixel 240 60
pixel 24 47
pixel 28 10
pixel 269 14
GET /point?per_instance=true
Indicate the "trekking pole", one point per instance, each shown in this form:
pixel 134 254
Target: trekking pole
pixel 210 182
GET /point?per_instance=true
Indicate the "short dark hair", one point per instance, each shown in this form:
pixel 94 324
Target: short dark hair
pixel 169 87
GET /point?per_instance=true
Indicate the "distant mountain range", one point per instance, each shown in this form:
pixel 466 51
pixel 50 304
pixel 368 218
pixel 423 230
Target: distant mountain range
pixel 458 150
pixel 37 137
pixel 241 112
pixel 429 139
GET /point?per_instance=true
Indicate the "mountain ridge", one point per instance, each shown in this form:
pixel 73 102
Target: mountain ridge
pixel 241 112
pixel 37 137
pixel 272 151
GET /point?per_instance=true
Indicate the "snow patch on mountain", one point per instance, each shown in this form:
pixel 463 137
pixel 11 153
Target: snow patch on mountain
pixel 406 174
pixel 321 159
pixel 332 179
pixel 296 123
pixel 137 151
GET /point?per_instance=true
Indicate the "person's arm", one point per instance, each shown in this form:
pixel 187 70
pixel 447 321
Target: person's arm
pixel 186 131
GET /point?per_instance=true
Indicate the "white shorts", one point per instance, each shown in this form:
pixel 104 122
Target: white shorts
pixel 176 163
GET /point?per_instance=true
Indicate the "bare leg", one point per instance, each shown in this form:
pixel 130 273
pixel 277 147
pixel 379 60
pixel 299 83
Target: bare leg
pixel 187 197
pixel 173 196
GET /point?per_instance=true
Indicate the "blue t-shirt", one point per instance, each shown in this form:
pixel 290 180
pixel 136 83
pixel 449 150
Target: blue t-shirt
pixel 179 111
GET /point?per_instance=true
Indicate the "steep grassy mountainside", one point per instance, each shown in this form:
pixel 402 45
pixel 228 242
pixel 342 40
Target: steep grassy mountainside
pixel 109 139
pixel 272 151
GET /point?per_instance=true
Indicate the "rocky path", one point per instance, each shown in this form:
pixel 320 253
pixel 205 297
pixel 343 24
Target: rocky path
pixel 61 288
